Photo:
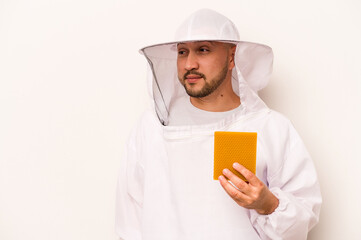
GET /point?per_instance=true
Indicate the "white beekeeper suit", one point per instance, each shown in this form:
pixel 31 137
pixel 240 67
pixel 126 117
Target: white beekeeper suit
pixel 166 188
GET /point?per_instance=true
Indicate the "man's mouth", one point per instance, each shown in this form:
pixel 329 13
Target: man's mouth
pixel 193 78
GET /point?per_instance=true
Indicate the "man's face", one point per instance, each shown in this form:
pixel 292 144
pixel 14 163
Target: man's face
pixel 203 66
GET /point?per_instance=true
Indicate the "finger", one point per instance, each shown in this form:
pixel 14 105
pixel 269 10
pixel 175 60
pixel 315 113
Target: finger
pixel 232 191
pixel 251 178
pixel 238 182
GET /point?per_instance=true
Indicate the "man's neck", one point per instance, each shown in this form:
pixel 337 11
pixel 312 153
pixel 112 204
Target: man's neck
pixel 221 100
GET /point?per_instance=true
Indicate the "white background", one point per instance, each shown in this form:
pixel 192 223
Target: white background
pixel 72 84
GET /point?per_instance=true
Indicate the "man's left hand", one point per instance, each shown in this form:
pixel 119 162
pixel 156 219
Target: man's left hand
pixel 252 195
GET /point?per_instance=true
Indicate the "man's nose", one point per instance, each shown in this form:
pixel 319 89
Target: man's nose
pixel 192 62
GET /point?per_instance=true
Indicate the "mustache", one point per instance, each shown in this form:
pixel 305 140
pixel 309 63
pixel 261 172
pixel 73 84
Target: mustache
pixel 193 72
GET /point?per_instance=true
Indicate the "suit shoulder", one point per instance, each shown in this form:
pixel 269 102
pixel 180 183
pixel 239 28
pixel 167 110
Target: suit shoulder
pixel 278 118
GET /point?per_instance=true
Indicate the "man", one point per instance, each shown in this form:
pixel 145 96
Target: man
pixel 207 81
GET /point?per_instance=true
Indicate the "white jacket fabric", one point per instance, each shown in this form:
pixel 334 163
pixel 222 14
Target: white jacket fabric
pixel 166 188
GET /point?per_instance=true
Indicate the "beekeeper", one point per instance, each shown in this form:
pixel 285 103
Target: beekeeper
pixel 206 81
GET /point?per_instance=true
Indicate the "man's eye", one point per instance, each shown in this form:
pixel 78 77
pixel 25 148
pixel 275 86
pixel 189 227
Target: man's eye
pixel 203 50
pixel 181 52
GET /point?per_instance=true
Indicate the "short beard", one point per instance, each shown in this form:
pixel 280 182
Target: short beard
pixel 209 86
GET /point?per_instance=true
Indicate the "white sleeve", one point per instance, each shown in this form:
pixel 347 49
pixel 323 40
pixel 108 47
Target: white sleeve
pixel 296 186
pixel 129 195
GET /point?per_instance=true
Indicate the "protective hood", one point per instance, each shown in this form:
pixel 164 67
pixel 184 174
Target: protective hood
pixel 251 73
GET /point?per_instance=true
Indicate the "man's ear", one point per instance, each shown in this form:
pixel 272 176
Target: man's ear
pixel 232 53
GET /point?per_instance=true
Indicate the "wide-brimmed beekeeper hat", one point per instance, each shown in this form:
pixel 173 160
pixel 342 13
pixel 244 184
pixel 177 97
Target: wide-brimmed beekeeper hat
pixel 251 73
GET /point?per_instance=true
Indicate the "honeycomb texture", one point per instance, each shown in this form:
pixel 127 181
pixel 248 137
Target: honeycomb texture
pixel 230 147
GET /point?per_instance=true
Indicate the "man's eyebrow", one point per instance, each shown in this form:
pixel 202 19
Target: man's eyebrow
pixel 210 42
